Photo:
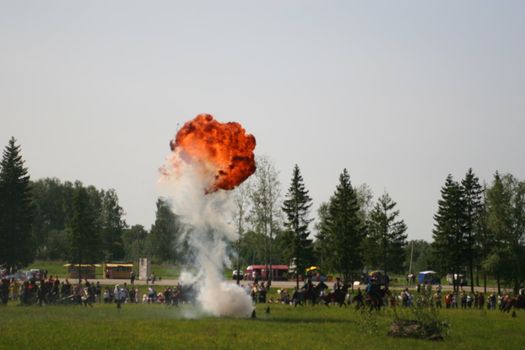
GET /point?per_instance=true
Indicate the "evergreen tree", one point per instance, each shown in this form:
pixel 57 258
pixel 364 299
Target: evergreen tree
pixel 321 243
pixel 485 239
pixel 449 229
pixel 164 232
pixel 344 230
pixel 386 234
pixel 16 210
pixel 84 238
pixel 473 201
pixel 113 226
pixel 296 208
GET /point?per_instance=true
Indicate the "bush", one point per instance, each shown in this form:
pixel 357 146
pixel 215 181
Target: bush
pixel 420 321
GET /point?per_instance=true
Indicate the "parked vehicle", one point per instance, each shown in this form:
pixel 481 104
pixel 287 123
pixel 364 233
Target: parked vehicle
pixel 236 273
pixel 459 277
pixel 429 276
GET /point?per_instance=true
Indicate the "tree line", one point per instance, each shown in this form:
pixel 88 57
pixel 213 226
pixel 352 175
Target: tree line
pixel 352 232
pixel 53 220
pixel 479 229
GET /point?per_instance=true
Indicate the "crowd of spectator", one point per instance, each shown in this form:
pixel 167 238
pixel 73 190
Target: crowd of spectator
pixel 52 290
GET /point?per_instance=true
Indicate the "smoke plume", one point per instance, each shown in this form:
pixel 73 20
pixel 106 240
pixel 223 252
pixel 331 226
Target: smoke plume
pixel 209 158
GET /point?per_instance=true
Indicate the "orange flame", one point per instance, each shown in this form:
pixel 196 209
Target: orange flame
pixel 224 149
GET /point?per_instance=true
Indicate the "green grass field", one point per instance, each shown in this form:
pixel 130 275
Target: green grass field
pixel 161 327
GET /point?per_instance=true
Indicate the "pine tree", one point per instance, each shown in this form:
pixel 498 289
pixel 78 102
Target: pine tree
pixel 16 210
pixel 345 230
pixel 485 239
pixel 473 200
pixel 449 229
pixel 321 243
pixel 296 208
pixel 387 233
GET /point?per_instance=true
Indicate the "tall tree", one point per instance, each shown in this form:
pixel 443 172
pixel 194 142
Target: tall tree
pixel 252 249
pixel 506 219
pixel 499 222
pixel 486 239
pixel 344 230
pixel 242 203
pixel 322 238
pixel 296 207
pixel 134 242
pixel 449 229
pixel 473 201
pixel 51 217
pixel 113 226
pixel 386 233
pixel 265 210
pixel 84 238
pixel 16 210
pixel 164 233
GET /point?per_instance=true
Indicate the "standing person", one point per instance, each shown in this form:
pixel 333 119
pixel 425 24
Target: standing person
pixel 337 285
pixel 15 290
pixel 132 277
pixel 117 294
pixel 98 292
pixel 125 293
pixel 78 292
pixel 107 296
pixel 132 295
pixel 42 293
pixel 481 301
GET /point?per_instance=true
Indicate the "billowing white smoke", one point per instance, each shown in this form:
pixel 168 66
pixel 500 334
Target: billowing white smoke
pixel 206 216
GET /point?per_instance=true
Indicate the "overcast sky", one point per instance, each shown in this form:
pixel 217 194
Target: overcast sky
pixel 400 93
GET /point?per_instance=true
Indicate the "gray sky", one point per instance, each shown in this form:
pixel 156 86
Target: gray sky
pixel 401 93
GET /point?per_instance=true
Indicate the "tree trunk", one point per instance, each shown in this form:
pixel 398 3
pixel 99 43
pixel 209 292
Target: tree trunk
pixel 499 285
pixel 485 282
pixel 271 243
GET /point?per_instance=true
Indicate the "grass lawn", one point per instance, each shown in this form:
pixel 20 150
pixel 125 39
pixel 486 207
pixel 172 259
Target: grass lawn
pixel 160 327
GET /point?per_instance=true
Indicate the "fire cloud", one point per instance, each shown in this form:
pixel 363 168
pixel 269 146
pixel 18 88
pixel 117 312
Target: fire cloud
pixel 224 150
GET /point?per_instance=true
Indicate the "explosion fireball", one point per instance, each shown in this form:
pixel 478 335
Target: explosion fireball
pixel 208 156
pixel 224 150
